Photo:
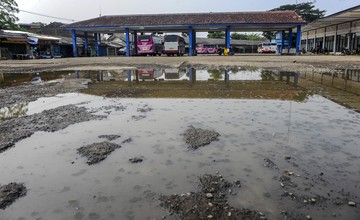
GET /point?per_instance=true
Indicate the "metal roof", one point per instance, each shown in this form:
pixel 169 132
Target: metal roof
pixel 180 22
pixel 28 34
pixel 348 15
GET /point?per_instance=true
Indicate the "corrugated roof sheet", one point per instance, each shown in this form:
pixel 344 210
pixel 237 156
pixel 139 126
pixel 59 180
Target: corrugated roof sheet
pixel 348 15
pixel 267 17
pixel 13 33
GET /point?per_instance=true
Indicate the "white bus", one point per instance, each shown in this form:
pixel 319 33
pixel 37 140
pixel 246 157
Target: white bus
pixel 267 47
pixel 174 44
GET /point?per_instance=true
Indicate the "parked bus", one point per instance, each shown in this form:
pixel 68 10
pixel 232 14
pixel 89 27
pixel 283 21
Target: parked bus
pixel 267 47
pixel 206 49
pixel 174 44
pixel 149 44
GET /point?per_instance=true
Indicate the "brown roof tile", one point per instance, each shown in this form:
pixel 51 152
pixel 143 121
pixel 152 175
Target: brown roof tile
pixel 268 17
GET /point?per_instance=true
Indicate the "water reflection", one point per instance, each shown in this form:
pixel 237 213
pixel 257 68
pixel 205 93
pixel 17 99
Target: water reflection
pixel 217 82
pixel 346 80
pixel 13 111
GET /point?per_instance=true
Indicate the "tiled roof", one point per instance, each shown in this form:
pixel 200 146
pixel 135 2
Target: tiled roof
pixel 230 18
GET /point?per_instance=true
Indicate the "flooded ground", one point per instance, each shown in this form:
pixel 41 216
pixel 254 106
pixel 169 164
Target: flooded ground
pixel 284 145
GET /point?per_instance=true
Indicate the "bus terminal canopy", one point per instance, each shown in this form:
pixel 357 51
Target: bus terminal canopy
pixel 191 22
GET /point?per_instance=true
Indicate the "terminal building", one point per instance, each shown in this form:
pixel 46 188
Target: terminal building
pixel 334 33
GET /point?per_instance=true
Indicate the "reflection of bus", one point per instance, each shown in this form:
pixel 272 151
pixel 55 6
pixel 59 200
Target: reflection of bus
pixel 206 49
pixel 149 44
pixel 267 47
pixel 151 74
pixel 174 73
pixel 174 44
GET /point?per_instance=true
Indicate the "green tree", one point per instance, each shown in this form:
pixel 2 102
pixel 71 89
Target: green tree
pixel 8 20
pixel 306 10
pixel 216 34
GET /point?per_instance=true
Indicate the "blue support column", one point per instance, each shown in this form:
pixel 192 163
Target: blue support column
pixel 227 37
pixel 127 37
pixel 191 41
pixel 135 43
pixel 194 42
pixel 290 39
pixel 298 39
pixel 282 41
pixel 86 44
pixel 74 43
pixel 96 44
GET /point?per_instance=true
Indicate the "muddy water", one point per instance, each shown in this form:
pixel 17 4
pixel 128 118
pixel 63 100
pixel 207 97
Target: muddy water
pixel 319 136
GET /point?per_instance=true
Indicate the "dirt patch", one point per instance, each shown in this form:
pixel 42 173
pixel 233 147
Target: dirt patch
pixel 110 137
pixel 144 109
pixel 11 192
pixel 210 202
pixel 97 152
pixel 52 120
pixel 136 159
pixel 28 92
pixel 198 137
pixel 270 163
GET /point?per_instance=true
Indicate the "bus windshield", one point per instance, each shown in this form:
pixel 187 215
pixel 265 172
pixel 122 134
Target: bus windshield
pixel 144 38
pixel 171 38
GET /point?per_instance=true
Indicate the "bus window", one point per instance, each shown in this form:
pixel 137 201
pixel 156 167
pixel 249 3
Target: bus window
pixel 171 38
pixel 144 38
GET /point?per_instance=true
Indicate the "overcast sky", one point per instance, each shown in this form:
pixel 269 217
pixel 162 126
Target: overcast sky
pixel 85 9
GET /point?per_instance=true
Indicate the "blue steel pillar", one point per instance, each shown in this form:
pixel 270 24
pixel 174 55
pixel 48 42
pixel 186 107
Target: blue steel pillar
pixel 74 43
pixel 290 39
pixel 194 42
pixel 191 41
pixel 127 34
pixel 227 38
pixel 135 43
pixel 282 41
pixel 96 44
pixel 86 44
pixel 298 39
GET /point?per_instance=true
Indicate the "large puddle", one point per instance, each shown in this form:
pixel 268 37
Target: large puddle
pixel 294 151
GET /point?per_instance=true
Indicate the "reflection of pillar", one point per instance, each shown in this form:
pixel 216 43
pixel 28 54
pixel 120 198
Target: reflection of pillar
pixel 2 77
pixel 227 74
pixel 137 75
pixel 74 43
pixel 296 80
pixel 192 75
pixel 129 77
pixel 287 77
pixel 100 76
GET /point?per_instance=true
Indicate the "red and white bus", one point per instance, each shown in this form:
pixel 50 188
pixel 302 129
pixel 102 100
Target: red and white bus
pixel 174 44
pixel 149 44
